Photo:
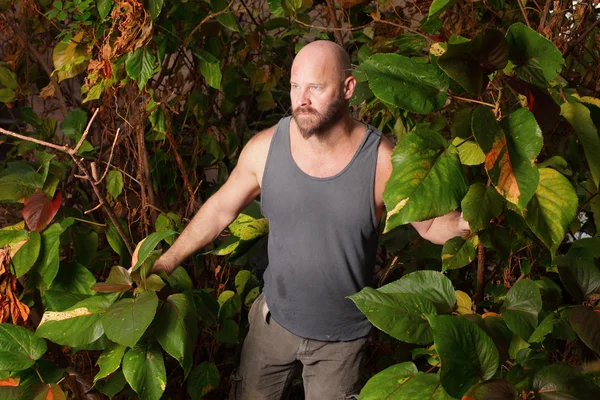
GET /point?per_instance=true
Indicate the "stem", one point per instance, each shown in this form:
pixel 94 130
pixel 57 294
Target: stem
pixel 544 15
pixel 480 272
pixel 64 148
pixel 473 101
pixel 186 42
pixel 85 133
pixel 524 13
pixel 580 38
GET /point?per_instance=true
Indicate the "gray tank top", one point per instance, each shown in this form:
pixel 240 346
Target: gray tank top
pixel 322 240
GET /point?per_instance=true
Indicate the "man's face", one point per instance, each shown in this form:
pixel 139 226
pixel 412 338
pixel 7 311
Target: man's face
pixel 317 96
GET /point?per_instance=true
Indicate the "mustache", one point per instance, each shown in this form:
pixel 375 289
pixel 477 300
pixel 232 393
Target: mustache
pixel 307 110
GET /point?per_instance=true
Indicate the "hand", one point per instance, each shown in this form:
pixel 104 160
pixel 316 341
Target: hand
pixel 162 265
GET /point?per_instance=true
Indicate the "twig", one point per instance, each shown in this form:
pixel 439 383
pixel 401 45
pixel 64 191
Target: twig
pixel 387 271
pixel 524 13
pixel 209 16
pixel 88 222
pixel 63 148
pixel 331 10
pixel 328 28
pixel 473 101
pixel 480 271
pixel 112 148
pixel 42 61
pixel 544 15
pixel 580 38
pixel 377 19
pixel 85 133
pixel 92 209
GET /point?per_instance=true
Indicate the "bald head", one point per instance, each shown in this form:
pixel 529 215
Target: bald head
pixel 326 53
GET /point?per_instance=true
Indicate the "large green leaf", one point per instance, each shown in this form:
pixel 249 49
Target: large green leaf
pixel 18 181
pixel 495 389
pixel 586 248
pixel 406 83
pixel 470 63
pixel 580 277
pixel 536 59
pixel 467 353
pixel 401 315
pixel 110 360
pixel 202 380
pixel 148 244
pixel 552 209
pixel 423 163
pixel 19 348
pixel 580 119
pixel 469 151
pixel 510 149
pixel 563 382
pixel 176 328
pixel 104 7
pixel 74 278
pixel 403 382
pixel 431 285
pixel 126 320
pixel 155 6
pixel 226 19
pixel 27 255
pixel 521 308
pixel 46 266
pixel 144 369
pixel 78 325
pixel 458 252
pixel 480 205
pixel 140 65
pixel 586 323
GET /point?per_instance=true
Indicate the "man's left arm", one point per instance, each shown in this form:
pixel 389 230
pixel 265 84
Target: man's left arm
pixel 437 230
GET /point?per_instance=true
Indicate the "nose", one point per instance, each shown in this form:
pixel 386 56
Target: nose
pixel 303 98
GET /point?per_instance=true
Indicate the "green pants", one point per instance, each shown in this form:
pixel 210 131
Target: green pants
pixel 269 354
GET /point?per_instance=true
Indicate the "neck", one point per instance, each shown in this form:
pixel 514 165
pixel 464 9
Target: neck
pixel 332 137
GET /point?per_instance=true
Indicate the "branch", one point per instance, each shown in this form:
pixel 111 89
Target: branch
pixel 85 133
pixel 209 16
pixel 580 38
pixel 42 61
pixel 524 13
pixel 473 100
pixel 544 15
pixel 480 271
pixel 64 148
pixel 331 10
pixel 112 148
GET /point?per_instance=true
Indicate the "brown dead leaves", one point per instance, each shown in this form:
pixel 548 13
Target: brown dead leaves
pixel 10 306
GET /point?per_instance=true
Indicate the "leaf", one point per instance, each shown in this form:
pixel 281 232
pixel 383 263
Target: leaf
pixel 495 389
pixel 8 78
pixel 126 320
pixel 431 285
pixel 405 83
pixel 509 152
pixel 400 315
pixel 27 255
pixel 76 326
pixel 467 353
pixel 203 379
pixel 580 119
pixel 7 95
pixel 552 209
pixel 145 247
pixel 19 348
pixel 39 210
pixel 470 63
pixel 226 19
pixel 586 323
pixel 73 278
pixel 439 6
pixel 70 57
pixel 61 301
pixel 155 6
pixel 464 304
pixel 561 381
pixel 586 248
pixel 46 266
pixel 580 277
pixel 110 360
pixel 74 124
pixel 176 329
pixel 521 308
pixel 228 332
pixel 144 369
pixel 210 68
pixel 118 280
pixel 140 65
pixel 247 228
pixel 114 183
pixel 104 7
pixel 18 181
pixel 180 280
pixel 207 307
pixel 112 385
pixel 536 59
pixel 480 205
pixel 403 382
pixel 469 152
pixel 423 163
pixel 458 252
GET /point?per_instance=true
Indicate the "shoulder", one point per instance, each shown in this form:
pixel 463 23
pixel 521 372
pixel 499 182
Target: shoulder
pixel 384 157
pixel 253 157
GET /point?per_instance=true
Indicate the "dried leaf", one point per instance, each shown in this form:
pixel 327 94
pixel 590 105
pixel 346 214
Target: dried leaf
pixel 47 91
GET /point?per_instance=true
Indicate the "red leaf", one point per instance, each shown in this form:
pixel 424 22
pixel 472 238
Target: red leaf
pixel 10 382
pixel 40 209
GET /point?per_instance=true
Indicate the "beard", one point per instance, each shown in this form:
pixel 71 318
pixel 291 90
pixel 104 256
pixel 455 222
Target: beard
pixel 311 122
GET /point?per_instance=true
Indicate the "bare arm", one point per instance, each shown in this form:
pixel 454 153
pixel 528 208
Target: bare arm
pixel 223 207
pixel 436 230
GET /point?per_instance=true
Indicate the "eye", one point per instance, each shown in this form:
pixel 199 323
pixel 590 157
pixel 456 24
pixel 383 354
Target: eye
pixel 315 88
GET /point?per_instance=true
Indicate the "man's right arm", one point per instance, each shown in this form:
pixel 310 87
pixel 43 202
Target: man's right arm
pixel 223 207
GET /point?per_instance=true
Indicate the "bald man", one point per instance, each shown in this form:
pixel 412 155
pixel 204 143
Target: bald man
pixel 321 176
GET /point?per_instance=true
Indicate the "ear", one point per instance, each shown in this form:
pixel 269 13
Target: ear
pixel 349 86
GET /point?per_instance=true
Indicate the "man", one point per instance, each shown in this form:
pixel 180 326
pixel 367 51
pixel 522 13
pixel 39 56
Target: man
pixel 321 177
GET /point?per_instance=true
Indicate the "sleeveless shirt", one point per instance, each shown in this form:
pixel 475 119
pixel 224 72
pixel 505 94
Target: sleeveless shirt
pixel 322 240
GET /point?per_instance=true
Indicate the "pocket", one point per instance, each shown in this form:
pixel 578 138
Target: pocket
pixel 236 385
pixel 256 307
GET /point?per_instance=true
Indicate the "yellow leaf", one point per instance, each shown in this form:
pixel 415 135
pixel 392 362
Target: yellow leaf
pixel 463 302
pixel 70 57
